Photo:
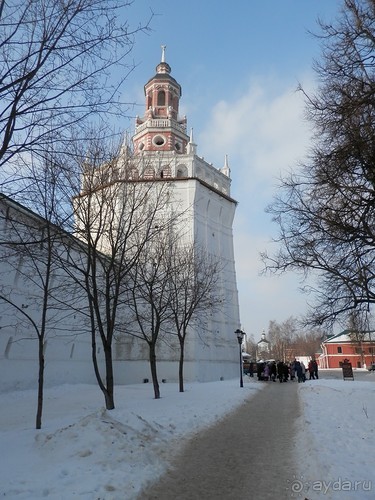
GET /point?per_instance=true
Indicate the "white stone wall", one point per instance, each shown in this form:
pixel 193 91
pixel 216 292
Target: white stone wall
pixel 210 354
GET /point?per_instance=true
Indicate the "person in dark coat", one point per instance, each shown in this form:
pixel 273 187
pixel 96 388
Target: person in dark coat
pixel 286 372
pixel 311 370
pixel 298 368
pixel 260 368
pixel 315 368
pixel 280 371
pixel 273 371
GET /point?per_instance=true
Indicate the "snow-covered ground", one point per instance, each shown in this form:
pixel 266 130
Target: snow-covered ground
pixel 335 442
pixel 86 452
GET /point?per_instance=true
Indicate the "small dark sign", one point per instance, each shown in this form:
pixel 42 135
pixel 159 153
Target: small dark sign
pixel 347 370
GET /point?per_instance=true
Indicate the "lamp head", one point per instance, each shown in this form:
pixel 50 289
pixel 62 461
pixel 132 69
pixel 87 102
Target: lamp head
pixel 240 334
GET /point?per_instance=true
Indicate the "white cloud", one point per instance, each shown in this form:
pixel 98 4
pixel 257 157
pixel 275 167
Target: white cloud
pixel 263 130
pixel 264 134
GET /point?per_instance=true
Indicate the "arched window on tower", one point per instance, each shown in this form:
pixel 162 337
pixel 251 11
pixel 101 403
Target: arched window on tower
pixel 175 104
pixel 161 98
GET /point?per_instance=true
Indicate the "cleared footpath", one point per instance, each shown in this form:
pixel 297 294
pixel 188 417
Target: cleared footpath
pixel 247 455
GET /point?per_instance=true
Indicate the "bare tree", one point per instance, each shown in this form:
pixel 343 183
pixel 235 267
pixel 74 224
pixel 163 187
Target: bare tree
pixel 117 214
pixel 251 346
pixel 307 343
pixel 325 211
pixel 61 64
pixel 359 331
pixel 174 285
pixel 149 297
pixel 288 339
pixel 281 336
pixel 195 291
pixel 29 245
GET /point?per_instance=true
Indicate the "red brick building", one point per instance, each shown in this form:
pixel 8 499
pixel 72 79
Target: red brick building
pixel 345 345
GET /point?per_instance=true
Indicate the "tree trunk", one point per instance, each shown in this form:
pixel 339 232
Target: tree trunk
pixel 109 393
pixel 153 371
pixel 181 366
pixel 108 389
pixel 40 386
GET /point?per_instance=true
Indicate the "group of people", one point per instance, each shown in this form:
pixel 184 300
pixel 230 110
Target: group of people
pixel 278 370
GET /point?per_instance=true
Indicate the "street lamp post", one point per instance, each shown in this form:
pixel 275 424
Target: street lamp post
pixel 240 335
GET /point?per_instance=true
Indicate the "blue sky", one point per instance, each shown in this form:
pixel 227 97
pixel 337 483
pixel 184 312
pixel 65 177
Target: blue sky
pixel 239 64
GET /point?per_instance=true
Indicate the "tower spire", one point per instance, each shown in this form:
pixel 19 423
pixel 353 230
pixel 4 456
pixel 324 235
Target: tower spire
pixel 191 136
pixel 163 47
pixel 226 170
pixel 191 147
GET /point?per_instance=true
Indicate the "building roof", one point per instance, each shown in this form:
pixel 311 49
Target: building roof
pixel 349 336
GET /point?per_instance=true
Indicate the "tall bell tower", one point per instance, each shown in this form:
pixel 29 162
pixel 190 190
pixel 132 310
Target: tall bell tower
pixel 165 152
